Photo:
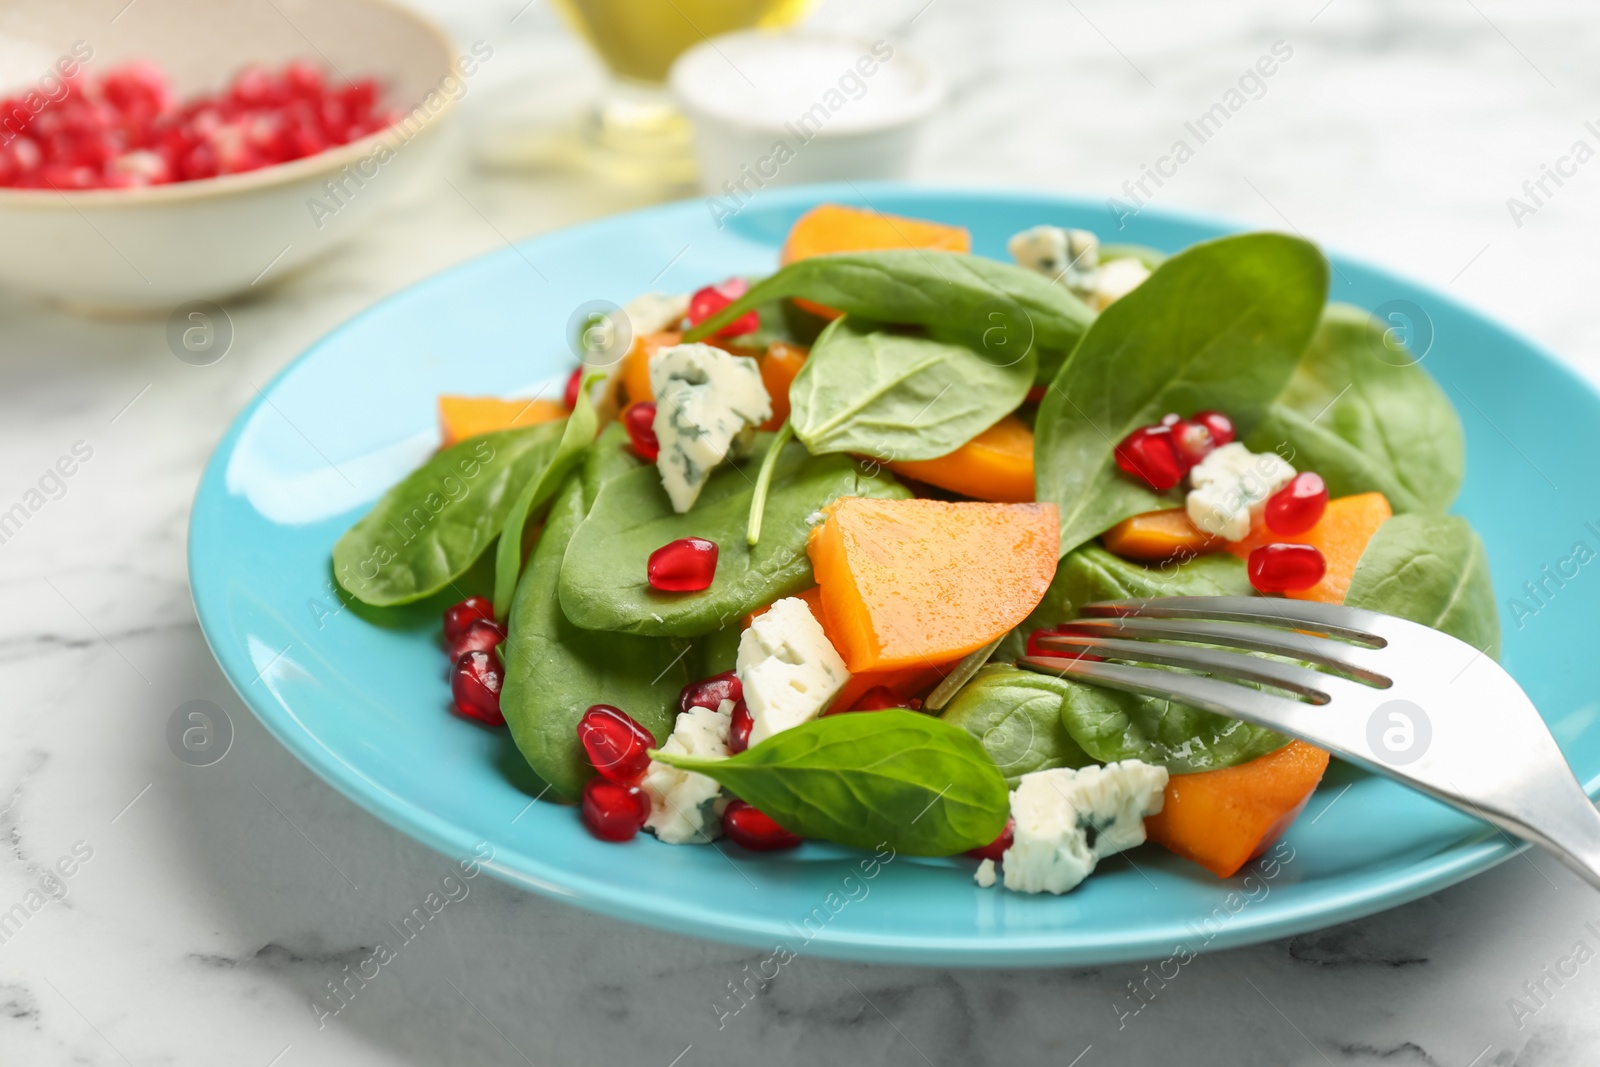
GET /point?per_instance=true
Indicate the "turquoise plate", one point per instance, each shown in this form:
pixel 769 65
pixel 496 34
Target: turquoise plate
pixel 363 702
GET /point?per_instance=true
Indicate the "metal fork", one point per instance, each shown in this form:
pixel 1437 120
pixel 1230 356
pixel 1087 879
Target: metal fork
pixel 1404 700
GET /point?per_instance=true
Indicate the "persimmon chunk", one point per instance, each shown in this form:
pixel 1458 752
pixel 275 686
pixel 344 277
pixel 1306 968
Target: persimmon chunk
pixel 779 365
pixel 461 417
pixel 1159 536
pixel 636 364
pixel 830 228
pixel 1223 819
pixel 1341 535
pixel 909 583
pixel 995 465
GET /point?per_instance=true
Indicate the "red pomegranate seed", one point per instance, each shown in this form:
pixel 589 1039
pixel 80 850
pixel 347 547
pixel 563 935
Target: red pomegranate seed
pixel 458 617
pixel 686 565
pixel 739 729
pixel 711 692
pixel 1193 442
pixel 613 811
pixel 640 422
pixel 713 298
pixel 1034 648
pixel 754 829
pixel 1284 568
pixel 617 746
pixel 996 849
pixel 480 636
pixel 1298 506
pixel 880 697
pixel 1149 455
pixel 1220 425
pixel 475 684
pixel 574 382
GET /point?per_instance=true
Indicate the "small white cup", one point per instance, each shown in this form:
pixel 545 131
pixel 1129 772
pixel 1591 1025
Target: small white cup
pixel 785 108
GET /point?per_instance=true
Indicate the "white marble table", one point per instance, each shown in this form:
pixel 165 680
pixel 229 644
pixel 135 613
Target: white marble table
pixel 217 902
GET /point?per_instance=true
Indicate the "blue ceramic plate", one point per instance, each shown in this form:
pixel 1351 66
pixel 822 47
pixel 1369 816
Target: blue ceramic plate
pixel 363 701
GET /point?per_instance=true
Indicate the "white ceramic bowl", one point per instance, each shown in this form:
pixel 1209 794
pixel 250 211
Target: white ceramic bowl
pixel 154 248
pixel 793 107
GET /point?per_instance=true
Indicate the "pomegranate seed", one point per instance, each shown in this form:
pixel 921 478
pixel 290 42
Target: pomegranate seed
pixel 686 565
pixel 459 616
pixel 574 382
pixel 1193 442
pixel 996 849
pixel 1298 506
pixel 880 697
pixel 640 422
pixel 617 746
pixel 1034 648
pixel 711 692
pixel 480 636
pixel 713 298
pixel 1149 455
pixel 1283 568
pixel 1220 425
pixel 754 829
pixel 613 811
pixel 739 729
pixel 475 684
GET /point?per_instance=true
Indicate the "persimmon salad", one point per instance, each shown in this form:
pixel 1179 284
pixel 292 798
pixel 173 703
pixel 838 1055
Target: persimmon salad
pixel 789 567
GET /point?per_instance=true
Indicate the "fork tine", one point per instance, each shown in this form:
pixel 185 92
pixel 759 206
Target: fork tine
pixel 1234 701
pixel 1317 687
pixel 1362 663
pixel 1352 624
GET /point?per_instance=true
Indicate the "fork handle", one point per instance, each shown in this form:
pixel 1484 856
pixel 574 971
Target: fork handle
pixel 1568 827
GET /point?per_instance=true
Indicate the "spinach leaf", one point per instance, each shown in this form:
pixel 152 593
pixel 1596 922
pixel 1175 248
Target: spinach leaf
pixel 1112 726
pixel 1115 726
pixel 1362 414
pixel 1016 716
pixel 555 671
pixel 1430 569
pixel 922 786
pixel 575 442
pixel 1219 325
pixel 1091 573
pixel 603 584
pixel 610 457
pixel 428 530
pixel 998 308
pixel 898 396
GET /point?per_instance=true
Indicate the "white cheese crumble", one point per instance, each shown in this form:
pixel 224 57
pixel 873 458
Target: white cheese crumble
pixel 1072 258
pixel 686 806
pixel 985 874
pixel 1068 820
pixel 708 404
pixel 788 667
pixel 1230 488
pixel 656 312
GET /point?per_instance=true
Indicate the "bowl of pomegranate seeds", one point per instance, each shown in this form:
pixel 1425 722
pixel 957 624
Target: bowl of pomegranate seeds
pixel 140 170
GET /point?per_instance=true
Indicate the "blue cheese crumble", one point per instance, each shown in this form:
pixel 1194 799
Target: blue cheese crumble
pixel 685 806
pixel 1230 488
pixel 788 667
pixel 708 405
pixel 1067 820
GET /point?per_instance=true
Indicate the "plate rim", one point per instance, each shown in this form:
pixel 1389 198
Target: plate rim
pixel 1463 858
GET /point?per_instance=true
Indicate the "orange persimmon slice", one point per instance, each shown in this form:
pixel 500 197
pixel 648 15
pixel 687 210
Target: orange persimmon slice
pixel 1159 536
pixel 830 228
pixel 1341 535
pixel 1225 818
pixel 779 365
pixel 909 583
pixel 995 465
pixel 461 417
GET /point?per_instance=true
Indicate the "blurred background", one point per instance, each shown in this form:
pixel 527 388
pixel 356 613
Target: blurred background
pixel 1410 133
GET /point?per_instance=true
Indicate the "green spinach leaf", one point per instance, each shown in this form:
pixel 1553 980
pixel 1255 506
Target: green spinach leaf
pixel 921 785
pixel 603 584
pixel 575 442
pixel 1016 716
pixel 555 671
pixel 430 528
pixel 1361 413
pixel 1219 325
pixel 997 308
pixel 1430 569
pixel 895 396
pixel 1091 573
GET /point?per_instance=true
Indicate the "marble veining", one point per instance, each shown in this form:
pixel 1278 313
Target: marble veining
pixel 219 906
